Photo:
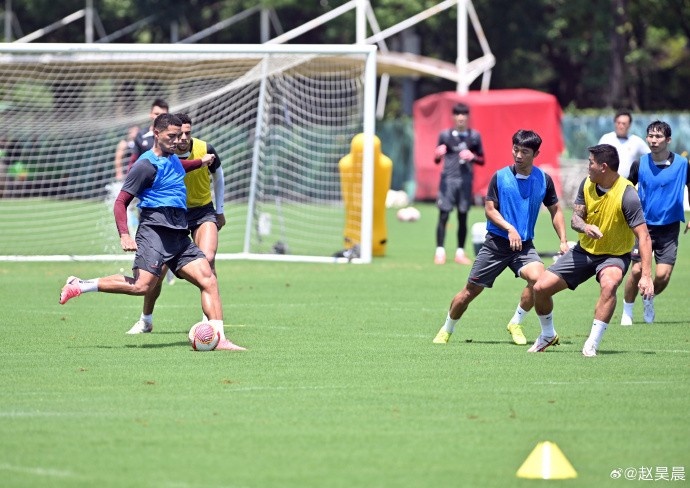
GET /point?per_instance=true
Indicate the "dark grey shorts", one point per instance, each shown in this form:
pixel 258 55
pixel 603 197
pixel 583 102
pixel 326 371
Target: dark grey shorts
pixel 577 265
pixel 157 246
pixel 455 193
pixel 495 256
pixel 664 243
pixel 198 215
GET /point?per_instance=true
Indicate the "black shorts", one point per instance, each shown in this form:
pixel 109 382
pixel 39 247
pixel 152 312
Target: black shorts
pixel 198 215
pixel 577 265
pixel 157 246
pixel 495 256
pixel 664 243
pixel 455 193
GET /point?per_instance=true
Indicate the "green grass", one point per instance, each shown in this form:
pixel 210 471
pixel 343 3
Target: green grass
pixel 341 387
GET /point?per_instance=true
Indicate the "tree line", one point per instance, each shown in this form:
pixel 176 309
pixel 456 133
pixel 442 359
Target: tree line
pixel 607 54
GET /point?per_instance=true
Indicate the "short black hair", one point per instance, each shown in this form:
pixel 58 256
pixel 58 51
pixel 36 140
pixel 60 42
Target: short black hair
pixel 164 120
pixel 605 153
pixel 460 108
pixel 622 112
pixel 159 102
pixel 660 126
pixel 184 118
pixel 528 139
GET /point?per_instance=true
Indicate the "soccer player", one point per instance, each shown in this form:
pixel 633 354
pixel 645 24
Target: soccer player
pixel 608 216
pixel 661 178
pixel 629 146
pixel 460 148
pixel 162 238
pixel 142 143
pixel 512 205
pixel 203 219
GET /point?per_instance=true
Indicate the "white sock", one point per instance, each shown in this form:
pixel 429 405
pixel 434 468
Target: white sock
pixel 546 322
pixel 460 252
pixel 519 315
pixel 204 318
pixel 147 318
pixel 449 326
pixel 440 251
pixel 628 308
pixel 218 325
pixel 598 329
pixel 87 286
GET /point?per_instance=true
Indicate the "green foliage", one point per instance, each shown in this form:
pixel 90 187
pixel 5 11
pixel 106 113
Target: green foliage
pixel 341 386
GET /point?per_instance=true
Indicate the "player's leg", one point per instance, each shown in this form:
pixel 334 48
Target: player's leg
pixel 610 278
pixel 139 285
pixel 463 202
pixel 445 204
pixel 145 323
pixel 530 272
pixel 630 289
pixel 548 284
pixel 206 238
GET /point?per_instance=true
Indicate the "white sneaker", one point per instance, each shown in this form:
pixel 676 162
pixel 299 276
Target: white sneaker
pixel 141 327
pixel 589 350
pixel 542 343
pixel 626 319
pixel 648 310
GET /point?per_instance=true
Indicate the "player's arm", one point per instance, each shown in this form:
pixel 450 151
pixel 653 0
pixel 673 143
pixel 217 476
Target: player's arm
pixel 119 157
pixel 192 164
pixel 646 284
pixel 557 218
pixel 441 149
pixel 493 214
pixel 477 149
pixel 140 177
pixel 578 222
pixel 218 186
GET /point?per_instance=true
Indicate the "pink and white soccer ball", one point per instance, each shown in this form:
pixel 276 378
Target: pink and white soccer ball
pixel 203 337
pixel 408 214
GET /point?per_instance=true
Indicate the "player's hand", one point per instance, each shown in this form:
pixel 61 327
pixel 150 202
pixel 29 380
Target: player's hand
pixel 440 151
pixel 220 221
pixel 593 231
pixel 646 287
pixel 207 159
pixel 564 248
pixel 515 240
pixel 466 155
pixel 128 244
pixel 687 227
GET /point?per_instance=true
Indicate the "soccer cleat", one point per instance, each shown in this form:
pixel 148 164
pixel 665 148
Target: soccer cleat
pixel 517 334
pixel 140 327
pixel 70 290
pixel 462 259
pixel 649 310
pixel 542 343
pixel 589 350
pixel 226 345
pixel 442 337
pixel 626 319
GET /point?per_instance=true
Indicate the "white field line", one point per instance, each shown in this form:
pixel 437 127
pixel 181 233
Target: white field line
pixel 38 471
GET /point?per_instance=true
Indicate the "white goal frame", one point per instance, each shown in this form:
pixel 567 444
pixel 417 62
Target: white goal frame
pixel 81 52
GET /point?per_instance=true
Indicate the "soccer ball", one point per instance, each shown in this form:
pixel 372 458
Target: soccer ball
pixel 408 214
pixel 203 337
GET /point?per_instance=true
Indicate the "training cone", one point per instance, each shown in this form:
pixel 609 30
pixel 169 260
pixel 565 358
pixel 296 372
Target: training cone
pixel 546 462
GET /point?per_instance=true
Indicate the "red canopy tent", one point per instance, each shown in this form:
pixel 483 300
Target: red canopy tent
pixel 497 115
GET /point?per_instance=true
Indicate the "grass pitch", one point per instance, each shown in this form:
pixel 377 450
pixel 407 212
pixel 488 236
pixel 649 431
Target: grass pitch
pixel 341 387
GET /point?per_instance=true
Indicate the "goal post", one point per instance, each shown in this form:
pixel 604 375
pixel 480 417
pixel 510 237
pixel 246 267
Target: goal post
pixel 280 117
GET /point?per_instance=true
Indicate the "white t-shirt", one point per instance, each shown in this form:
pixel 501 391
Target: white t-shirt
pixel 629 150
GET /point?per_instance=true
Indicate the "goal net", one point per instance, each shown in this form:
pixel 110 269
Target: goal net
pixel 280 117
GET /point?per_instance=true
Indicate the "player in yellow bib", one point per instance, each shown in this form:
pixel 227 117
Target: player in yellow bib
pixel 607 214
pixel 203 218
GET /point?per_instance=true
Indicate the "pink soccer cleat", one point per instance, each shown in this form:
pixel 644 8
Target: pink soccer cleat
pixel 226 345
pixel 70 290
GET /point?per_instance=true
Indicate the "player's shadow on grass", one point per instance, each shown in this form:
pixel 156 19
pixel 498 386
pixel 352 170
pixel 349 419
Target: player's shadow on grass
pixel 155 346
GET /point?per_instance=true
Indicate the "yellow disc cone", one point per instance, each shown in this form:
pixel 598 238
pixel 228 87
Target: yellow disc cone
pixel 546 462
